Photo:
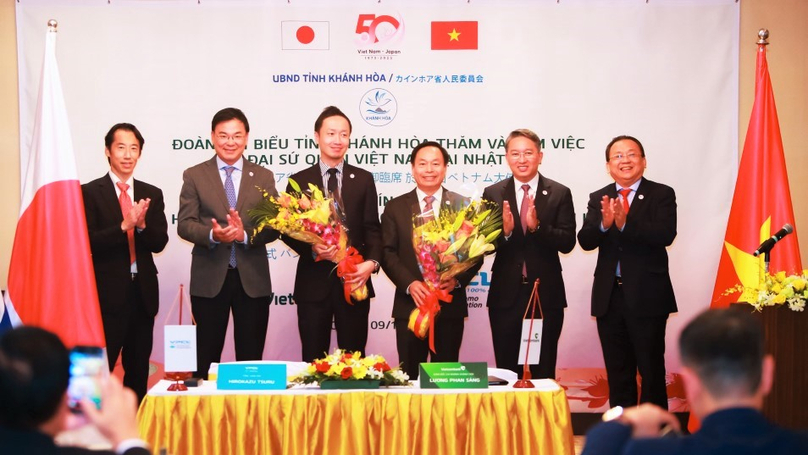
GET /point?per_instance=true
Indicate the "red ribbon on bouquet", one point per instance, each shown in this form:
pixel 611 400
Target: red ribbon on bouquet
pixel 348 266
pixel 426 315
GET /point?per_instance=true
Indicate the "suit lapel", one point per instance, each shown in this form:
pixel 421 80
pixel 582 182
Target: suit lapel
pixel 211 172
pixel 543 193
pixel 638 204
pixel 246 186
pixel 110 197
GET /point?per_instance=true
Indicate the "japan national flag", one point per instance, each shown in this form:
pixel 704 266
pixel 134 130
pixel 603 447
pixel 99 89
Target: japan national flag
pixel 305 35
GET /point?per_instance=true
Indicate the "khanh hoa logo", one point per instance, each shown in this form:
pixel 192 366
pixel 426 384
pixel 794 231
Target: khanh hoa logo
pixel 378 107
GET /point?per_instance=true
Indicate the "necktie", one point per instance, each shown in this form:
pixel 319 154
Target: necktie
pixel 523 217
pixel 333 183
pixel 428 213
pixel 126 206
pixel 230 192
pixel 625 192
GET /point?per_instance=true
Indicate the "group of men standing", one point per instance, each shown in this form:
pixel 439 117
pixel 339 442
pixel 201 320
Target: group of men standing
pixel 630 222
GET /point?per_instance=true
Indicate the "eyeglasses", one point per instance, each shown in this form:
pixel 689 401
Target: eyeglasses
pixel 631 156
pixel 526 154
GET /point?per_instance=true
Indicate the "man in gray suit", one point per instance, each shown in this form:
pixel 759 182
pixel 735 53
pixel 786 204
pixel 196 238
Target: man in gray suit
pixel 229 269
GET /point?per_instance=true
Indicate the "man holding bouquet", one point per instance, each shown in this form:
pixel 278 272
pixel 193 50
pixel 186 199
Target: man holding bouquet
pixel 538 222
pixel 319 292
pixel 429 161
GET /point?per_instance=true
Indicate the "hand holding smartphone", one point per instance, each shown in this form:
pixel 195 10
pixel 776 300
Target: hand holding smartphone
pixel 88 367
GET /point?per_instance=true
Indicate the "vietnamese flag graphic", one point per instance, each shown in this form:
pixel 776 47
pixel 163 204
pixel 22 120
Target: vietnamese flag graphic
pixel 50 280
pixel 761 204
pixel 454 35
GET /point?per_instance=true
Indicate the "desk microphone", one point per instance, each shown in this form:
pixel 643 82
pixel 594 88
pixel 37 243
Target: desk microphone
pixel 766 246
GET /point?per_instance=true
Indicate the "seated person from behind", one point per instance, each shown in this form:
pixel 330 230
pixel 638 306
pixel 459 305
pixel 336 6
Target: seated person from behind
pixel 726 375
pixel 34 374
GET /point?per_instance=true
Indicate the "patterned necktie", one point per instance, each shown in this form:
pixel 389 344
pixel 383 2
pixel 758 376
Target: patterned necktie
pixel 428 213
pixel 625 192
pixel 230 192
pixel 523 217
pixel 126 206
pixel 333 183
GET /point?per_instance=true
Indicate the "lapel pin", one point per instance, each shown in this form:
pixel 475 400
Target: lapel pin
pixel 544 192
pixel 352 176
pixel 251 174
pixel 641 197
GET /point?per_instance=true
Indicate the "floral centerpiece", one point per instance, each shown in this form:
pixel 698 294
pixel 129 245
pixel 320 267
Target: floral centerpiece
pixel 776 289
pixel 314 219
pixel 351 366
pixel 447 246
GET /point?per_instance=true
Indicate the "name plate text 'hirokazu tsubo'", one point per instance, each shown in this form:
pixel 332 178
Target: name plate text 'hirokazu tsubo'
pixel 453 375
pixel 251 376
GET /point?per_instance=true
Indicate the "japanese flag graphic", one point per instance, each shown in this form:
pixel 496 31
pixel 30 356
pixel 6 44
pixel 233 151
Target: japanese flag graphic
pixel 305 35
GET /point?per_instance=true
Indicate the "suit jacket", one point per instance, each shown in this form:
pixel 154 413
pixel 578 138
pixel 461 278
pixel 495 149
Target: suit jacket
pixel 202 198
pixel 364 231
pixel 28 442
pixel 110 246
pixel 736 431
pixel 538 250
pixel 640 248
pixel 399 261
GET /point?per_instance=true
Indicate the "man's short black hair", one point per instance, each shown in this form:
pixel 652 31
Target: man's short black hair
pixel 331 111
pixel 621 138
pixel 227 114
pixel 724 347
pixel 110 137
pixel 34 372
pixel 426 144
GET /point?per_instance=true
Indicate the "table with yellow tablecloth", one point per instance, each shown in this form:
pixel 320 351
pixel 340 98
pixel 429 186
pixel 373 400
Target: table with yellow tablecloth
pixel 398 420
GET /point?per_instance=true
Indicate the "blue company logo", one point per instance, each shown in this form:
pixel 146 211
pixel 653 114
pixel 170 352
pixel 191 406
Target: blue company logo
pixel 378 107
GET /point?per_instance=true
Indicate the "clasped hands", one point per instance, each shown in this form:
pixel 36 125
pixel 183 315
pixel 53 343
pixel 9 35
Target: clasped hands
pixel 612 213
pixel 136 218
pixel 356 279
pixel 233 232
pixel 508 222
pixel 420 291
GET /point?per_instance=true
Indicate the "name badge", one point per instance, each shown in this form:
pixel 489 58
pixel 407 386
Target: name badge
pixel 251 376
pixel 453 375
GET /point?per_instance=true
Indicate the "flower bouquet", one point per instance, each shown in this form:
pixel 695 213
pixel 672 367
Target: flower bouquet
pixel 351 366
pixel 314 219
pixel 776 289
pixel 446 247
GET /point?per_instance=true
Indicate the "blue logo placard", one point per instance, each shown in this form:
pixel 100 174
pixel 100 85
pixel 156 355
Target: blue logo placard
pixel 251 376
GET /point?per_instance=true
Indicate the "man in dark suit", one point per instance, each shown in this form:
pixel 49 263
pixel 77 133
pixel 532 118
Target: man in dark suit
pixel 727 374
pixel 632 294
pixel 123 236
pixel 318 291
pixel 34 374
pixel 229 269
pixel 429 161
pixel 538 223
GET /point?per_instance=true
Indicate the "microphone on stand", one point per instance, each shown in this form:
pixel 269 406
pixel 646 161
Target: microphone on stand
pixel 767 246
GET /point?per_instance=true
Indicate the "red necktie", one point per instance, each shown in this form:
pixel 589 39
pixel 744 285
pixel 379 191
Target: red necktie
pixel 428 213
pixel 126 206
pixel 625 192
pixel 523 217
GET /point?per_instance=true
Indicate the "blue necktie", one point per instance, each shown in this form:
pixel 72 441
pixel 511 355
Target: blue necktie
pixel 230 192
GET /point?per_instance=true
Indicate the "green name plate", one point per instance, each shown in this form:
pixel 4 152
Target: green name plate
pixel 453 375
pixel 251 376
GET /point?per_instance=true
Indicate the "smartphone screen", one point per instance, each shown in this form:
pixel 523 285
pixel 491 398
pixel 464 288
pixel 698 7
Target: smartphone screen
pixel 87 367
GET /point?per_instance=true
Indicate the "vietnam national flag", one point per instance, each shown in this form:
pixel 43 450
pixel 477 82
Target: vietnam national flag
pixel 50 280
pixel 454 35
pixel 761 204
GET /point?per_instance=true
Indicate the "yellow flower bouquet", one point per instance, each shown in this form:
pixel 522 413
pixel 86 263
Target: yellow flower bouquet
pixel 314 219
pixel 446 247
pixel 351 366
pixel 775 290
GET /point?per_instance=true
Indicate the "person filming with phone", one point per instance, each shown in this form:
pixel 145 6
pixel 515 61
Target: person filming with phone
pixel 35 371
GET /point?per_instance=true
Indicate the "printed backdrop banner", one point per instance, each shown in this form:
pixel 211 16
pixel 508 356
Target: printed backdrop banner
pixel 462 73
